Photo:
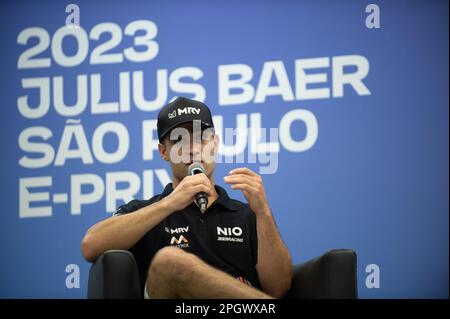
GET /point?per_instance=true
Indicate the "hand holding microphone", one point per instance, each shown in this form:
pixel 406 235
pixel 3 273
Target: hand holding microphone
pixel 195 186
pixel 201 198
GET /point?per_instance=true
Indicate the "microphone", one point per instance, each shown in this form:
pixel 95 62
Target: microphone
pixel 200 198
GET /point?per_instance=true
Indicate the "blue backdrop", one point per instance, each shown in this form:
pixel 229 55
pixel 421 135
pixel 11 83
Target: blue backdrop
pixel 373 179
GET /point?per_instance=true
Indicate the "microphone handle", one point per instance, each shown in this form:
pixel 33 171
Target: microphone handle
pixel 202 201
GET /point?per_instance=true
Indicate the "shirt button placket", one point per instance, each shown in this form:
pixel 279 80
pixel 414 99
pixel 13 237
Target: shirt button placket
pixel 202 225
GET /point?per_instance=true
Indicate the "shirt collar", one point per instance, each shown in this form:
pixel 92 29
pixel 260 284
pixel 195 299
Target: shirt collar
pixel 167 190
pixel 223 198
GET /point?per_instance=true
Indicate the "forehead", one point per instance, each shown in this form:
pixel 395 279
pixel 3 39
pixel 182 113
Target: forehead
pixel 188 126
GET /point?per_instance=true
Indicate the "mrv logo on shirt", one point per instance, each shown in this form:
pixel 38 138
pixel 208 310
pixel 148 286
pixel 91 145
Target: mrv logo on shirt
pixel 230 234
pixel 178 230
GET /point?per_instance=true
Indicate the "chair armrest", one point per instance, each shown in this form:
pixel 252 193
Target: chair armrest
pixel 332 275
pixel 114 275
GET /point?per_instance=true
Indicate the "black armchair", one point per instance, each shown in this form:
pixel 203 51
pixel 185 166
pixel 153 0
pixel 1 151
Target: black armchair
pixel 332 275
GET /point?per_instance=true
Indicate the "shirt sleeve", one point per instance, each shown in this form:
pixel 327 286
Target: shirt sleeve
pixel 131 206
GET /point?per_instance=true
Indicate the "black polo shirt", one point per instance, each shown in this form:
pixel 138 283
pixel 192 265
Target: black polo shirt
pixel 224 236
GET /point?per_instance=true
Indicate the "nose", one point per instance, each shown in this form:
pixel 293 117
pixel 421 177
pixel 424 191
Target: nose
pixel 196 149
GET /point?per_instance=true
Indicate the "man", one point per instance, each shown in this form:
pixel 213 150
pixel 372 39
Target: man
pixel 231 250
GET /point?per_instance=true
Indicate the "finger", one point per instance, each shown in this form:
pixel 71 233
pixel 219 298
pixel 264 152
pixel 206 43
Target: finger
pixel 199 178
pixel 203 178
pixel 239 177
pixel 256 186
pixel 246 171
pixel 244 187
pixel 242 170
pixel 202 188
pixel 199 187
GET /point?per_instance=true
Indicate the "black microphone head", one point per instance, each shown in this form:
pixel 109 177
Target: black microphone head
pixel 195 168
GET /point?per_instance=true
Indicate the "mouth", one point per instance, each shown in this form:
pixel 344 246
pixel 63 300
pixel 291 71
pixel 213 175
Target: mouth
pixel 190 162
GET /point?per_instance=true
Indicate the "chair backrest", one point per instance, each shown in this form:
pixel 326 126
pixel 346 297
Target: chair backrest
pixel 114 275
pixel 332 275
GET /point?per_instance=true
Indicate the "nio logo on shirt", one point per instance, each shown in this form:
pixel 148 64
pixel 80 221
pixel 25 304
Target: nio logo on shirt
pixel 180 242
pixel 230 234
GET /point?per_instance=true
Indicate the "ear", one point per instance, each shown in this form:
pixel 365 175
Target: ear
pixel 163 150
